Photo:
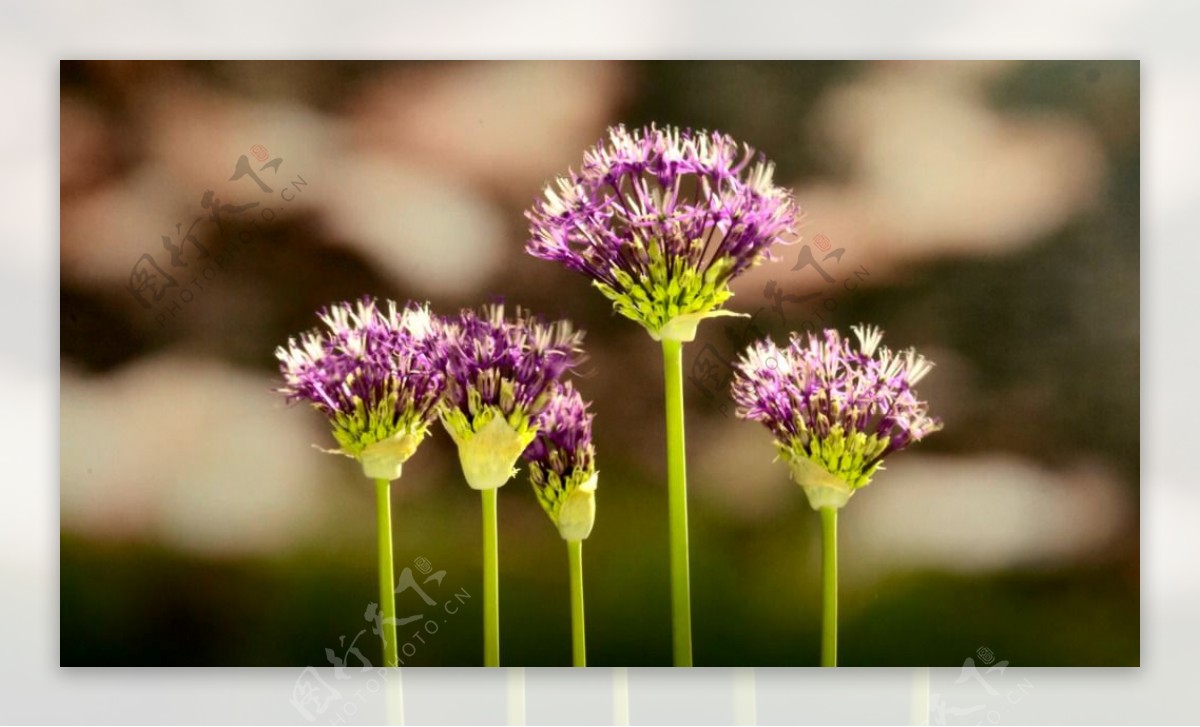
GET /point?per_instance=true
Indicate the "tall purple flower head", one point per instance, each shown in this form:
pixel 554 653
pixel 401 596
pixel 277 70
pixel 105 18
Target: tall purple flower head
pixel 662 220
pixel 501 374
pixel 374 373
pixel 562 463
pixel 836 409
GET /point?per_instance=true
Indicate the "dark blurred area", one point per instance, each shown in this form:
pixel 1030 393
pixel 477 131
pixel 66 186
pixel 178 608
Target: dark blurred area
pixel 985 212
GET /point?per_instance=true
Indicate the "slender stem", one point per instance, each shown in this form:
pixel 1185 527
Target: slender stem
pixel 578 643
pixel 387 592
pixel 491 582
pixel 829 586
pixel 681 606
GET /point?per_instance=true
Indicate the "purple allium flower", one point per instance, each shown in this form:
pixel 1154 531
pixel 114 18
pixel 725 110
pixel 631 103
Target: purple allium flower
pixel 562 463
pixel 662 220
pixel 501 374
pixel 836 410
pixel 374 374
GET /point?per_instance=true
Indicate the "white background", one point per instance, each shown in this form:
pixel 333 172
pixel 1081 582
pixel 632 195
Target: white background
pixel 33 36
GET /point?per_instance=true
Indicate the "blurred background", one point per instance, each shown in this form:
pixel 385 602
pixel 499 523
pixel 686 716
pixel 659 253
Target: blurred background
pixel 984 212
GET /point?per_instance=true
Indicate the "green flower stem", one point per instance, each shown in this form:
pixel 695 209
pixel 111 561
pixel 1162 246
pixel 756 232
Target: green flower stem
pixel 387 592
pixel 578 642
pixel 829 586
pixel 681 606
pixel 491 582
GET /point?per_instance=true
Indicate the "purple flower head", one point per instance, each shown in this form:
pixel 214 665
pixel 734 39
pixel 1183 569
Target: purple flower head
pixel 562 463
pixel 662 220
pixel 563 444
pixel 374 374
pixel 501 375
pixel 836 410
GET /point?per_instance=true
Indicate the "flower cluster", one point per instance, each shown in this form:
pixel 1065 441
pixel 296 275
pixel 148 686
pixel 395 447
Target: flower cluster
pixel 501 373
pixel 662 220
pixel 374 374
pixel 836 410
pixel 562 463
